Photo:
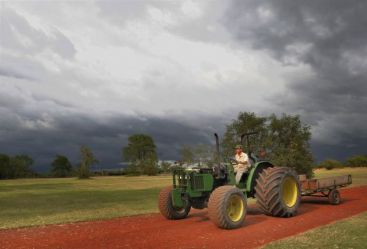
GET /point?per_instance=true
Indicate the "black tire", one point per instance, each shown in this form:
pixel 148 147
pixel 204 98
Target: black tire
pixel 334 197
pixel 166 207
pixel 277 191
pixel 227 207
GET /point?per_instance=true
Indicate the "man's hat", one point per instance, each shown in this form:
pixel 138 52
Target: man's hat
pixel 238 146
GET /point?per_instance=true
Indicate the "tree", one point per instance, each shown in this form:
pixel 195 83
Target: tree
pixel 141 155
pixel 140 147
pixel 4 166
pixel 150 167
pixel 132 169
pixel 330 164
pixel 61 166
pixel 20 166
pixel 288 143
pixel 357 161
pixel 285 139
pixel 16 166
pixel 88 159
pixel 245 122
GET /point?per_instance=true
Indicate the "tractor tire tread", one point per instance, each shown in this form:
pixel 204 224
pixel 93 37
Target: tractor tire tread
pixel 217 207
pixel 268 192
pixel 166 208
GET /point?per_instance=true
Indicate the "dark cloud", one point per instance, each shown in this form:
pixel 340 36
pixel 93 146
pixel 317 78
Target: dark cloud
pixel 106 138
pixel 58 130
pixel 328 37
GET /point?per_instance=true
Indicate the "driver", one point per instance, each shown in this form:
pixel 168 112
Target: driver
pixel 243 163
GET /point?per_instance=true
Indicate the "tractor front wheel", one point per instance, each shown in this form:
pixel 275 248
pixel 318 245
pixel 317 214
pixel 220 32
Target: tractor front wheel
pixel 166 207
pixel 278 192
pixel 227 207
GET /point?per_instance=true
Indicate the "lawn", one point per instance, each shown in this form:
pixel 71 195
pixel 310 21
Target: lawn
pixel 32 202
pixel 348 233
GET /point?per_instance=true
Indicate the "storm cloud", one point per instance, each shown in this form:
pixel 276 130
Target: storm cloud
pixel 328 38
pixel 44 137
pixel 93 73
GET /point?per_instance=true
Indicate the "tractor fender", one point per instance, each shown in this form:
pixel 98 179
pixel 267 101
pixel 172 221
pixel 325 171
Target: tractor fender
pixel 254 174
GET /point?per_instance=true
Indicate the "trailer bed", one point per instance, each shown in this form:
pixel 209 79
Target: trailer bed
pixel 318 185
pixel 325 187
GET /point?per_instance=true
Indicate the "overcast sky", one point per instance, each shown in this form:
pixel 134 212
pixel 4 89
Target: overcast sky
pixel 93 73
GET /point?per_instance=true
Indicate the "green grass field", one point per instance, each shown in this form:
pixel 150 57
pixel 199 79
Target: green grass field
pixel 32 202
pixel 348 233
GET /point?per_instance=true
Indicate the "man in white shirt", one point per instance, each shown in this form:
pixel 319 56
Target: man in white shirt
pixel 243 163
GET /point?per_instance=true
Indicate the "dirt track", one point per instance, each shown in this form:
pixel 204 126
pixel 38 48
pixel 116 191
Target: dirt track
pixel 153 231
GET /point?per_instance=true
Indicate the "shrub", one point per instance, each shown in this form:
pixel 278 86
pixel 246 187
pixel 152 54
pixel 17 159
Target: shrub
pixel 357 161
pixel 132 170
pixel 331 164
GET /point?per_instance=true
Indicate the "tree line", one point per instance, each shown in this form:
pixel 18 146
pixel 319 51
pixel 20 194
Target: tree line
pixel 19 166
pixel 284 140
pixel 353 161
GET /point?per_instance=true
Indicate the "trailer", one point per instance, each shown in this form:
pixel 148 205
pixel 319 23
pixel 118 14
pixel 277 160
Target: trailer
pixel 325 187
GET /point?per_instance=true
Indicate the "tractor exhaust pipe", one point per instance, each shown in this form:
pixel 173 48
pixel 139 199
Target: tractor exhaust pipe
pixel 217 147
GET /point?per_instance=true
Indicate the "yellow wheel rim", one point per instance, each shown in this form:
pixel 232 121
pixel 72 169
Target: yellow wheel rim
pixel 289 191
pixel 235 208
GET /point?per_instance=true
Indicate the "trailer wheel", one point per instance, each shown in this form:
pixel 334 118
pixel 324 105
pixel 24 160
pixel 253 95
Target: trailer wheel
pixel 334 197
pixel 227 207
pixel 277 191
pixel 166 207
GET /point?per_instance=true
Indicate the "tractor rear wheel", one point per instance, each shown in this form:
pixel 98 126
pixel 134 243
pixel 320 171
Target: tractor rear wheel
pixel 227 207
pixel 278 192
pixel 166 207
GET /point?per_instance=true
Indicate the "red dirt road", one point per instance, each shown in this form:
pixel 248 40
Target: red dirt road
pixel 153 231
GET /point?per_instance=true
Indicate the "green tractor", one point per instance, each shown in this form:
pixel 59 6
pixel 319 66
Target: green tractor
pixel 276 189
